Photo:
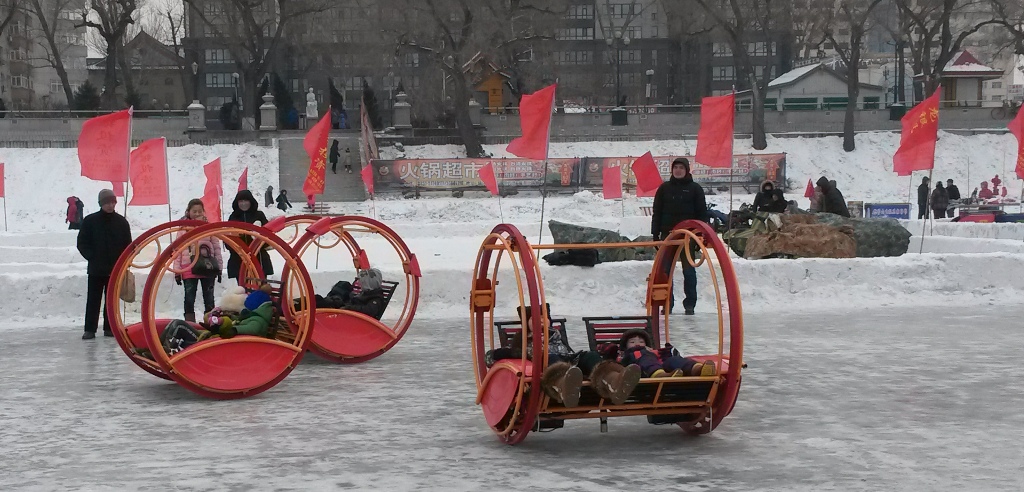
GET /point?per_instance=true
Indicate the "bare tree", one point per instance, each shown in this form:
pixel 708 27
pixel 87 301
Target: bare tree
pixel 8 9
pixel 51 25
pixel 451 33
pixel 252 31
pixel 176 33
pixel 1010 15
pixel 112 18
pixel 744 22
pixel 936 36
pixel 854 15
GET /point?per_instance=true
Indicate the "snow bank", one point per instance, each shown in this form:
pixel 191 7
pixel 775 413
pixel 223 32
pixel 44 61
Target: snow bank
pixel 38 182
pixel 1005 230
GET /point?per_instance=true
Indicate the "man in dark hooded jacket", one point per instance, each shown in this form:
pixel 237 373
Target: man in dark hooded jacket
pixel 763 199
pixel 833 201
pixel 679 199
pixel 104 236
pixel 245 208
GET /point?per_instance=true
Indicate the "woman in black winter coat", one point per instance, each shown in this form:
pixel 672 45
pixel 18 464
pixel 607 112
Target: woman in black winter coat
pixel 245 208
pixel 282 201
pixel 763 199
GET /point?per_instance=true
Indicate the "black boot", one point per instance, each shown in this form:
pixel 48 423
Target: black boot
pixel 89 335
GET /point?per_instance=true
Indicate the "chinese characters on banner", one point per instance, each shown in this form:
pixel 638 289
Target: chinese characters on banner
pixel 393 176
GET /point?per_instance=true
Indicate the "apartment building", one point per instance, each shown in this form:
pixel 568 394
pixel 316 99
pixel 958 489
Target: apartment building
pixel 28 79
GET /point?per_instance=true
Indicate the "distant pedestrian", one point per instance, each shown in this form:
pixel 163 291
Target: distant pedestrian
pixel 269 197
pixel 75 214
pixel 833 201
pixel 922 198
pixel 282 201
pixel 954 195
pixel 940 200
pixel 104 235
pixel 816 200
pixel 335 154
pixel 348 160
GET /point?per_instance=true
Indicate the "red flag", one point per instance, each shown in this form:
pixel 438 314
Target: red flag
pixel 367 174
pixel 118 188
pixel 917 140
pixel 243 180
pixel 809 191
pixel 648 178
pixel 611 182
pixel 148 172
pixel 104 145
pixel 2 178
pixel 714 139
pixel 212 191
pixel 535 121
pixel 315 144
pixel 486 173
pixel 1017 129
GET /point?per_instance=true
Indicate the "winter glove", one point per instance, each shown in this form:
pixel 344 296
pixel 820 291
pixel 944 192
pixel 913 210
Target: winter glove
pixel 177 279
pixel 219 279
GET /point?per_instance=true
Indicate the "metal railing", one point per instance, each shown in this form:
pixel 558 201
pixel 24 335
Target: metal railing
pixel 76 114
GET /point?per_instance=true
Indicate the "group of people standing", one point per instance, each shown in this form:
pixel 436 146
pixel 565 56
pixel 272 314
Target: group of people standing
pixel 938 200
pixel 105 234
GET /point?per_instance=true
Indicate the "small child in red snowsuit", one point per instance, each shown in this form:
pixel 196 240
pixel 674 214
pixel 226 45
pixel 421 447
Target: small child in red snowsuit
pixel 635 348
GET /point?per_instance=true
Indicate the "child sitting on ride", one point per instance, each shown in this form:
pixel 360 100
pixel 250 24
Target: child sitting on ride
pixel 566 369
pixel 635 348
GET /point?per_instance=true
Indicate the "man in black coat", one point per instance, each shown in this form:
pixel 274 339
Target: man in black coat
pixel 676 200
pixel 104 236
pixel 954 194
pixel 832 199
pixel 923 192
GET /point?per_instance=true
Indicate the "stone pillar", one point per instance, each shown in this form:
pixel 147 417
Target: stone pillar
pixel 403 112
pixel 474 112
pixel 196 117
pixel 268 114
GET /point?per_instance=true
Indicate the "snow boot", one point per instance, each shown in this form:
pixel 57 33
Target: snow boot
pixel 613 382
pixel 707 368
pixel 562 383
pixel 190 317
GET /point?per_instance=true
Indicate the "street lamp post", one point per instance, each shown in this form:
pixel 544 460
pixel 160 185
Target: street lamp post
pixel 650 76
pixel 617 42
pixel 234 84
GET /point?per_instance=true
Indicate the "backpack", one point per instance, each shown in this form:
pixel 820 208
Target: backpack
pixel 74 209
pixel 177 336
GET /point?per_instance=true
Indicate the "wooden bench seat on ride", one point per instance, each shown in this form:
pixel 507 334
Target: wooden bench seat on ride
pixel 609 329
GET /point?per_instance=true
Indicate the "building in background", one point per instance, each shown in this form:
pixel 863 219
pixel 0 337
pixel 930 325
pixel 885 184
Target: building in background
pixel 157 74
pixel 28 79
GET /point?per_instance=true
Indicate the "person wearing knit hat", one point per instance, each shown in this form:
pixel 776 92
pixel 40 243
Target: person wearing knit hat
pixel 678 199
pixel 101 240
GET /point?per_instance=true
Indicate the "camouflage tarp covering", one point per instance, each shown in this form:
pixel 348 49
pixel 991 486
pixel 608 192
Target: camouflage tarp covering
pixel 803 241
pixel 563 233
pixel 875 237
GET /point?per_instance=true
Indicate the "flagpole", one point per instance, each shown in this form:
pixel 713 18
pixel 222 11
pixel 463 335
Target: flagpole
pixel 167 180
pixel 5 214
pixel 127 181
pixel 497 184
pixel 543 197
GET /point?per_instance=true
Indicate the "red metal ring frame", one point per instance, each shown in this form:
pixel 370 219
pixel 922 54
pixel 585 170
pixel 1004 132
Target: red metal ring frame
pixel 113 301
pixel 337 225
pixel 521 420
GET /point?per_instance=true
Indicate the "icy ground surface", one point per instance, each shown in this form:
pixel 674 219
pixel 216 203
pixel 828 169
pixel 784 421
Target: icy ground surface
pixel 894 399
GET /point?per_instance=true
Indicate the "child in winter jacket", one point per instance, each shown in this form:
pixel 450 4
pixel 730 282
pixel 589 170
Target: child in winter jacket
pixel 192 261
pixel 566 369
pixel 635 348
pixel 282 201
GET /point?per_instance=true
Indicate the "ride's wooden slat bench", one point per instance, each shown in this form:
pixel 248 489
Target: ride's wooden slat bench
pixel 507 330
pixel 609 329
pixel 388 288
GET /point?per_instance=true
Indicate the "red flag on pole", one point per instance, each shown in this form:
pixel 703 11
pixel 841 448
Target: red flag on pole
pixel 367 174
pixel 809 191
pixel 648 178
pixel 486 173
pixel 212 191
pixel 535 120
pixel 2 179
pixel 315 144
pixel 149 173
pixel 611 182
pixel 1017 129
pixel 118 188
pixel 243 180
pixel 917 140
pixel 714 139
pixel 104 145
